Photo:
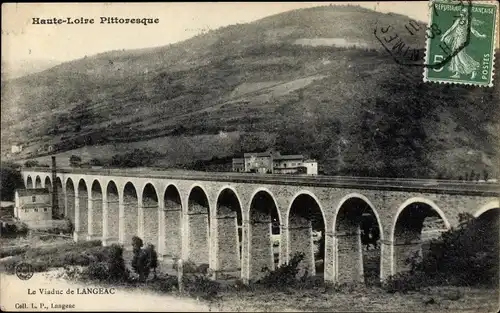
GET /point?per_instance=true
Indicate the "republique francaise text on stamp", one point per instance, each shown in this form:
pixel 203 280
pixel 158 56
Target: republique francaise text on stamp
pixel 466 35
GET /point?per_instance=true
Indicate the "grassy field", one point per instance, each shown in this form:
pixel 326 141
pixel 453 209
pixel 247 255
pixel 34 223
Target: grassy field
pixel 450 299
pixel 234 296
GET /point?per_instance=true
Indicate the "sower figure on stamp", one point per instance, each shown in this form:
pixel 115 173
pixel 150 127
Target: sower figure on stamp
pixel 455 37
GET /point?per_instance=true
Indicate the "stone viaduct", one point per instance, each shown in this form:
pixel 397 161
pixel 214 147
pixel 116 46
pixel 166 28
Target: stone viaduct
pixel 227 220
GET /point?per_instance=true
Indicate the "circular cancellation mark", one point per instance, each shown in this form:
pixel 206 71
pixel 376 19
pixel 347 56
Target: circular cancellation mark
pixel 404 55
pixel 24 271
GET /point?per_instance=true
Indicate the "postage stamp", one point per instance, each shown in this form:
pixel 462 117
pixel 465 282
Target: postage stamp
pixel 466 35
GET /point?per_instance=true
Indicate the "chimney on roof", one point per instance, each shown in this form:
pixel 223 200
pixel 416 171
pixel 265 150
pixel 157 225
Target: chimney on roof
pixel 55 205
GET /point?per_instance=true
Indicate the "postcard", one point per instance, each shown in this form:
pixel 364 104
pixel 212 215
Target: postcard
pixel 241 156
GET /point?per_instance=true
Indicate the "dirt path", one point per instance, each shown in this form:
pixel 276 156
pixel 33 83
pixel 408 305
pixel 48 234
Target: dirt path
pixel 15 291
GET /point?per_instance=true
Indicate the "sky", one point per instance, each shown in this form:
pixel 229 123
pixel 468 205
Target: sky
pixel 21 40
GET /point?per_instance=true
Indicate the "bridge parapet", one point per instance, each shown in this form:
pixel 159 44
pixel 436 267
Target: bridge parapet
pixel 376 183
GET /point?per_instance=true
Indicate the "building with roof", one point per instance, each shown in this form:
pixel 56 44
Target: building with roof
pixel 33 204
pixel 239 165
pixel 275 163
pixel 16 148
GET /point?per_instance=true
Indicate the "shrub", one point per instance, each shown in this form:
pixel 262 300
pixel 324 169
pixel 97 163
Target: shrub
pixel 188 267
pixel 466 256
pixel 116 265
pixel 70 228
pixel 137 244
pixel 165 283
pixel 31 163
pixel 97 271
pixel 135 158
pixel 96 162
pixel 200 286
pixel 10 179
pixel 75 160
pixel 285 275
pixel 12 251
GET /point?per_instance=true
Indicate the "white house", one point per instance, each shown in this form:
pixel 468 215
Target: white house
pixel 16 148
pixel 33 204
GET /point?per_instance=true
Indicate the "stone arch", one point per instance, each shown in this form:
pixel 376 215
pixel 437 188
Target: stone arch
pixel 488 206
pixel 70 195
pixel 198 212
pixel 407 227
pixel 264 222
pixel 306 232
pixel 150 214
pixel 29 182
pixel 97 214
pixel 357 222
pixel 38 181
pixel 173 221
pixel 83 208
pixel 113 215
pixel 130 227
pixel 48 183
pixel 228 232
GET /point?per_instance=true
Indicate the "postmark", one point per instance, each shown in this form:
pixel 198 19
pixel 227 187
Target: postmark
pixel 24 271
pixel 399 41
pixel 466 36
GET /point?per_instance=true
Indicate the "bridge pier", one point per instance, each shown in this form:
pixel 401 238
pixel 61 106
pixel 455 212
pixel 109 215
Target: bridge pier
pixel 300 240
pixel 330 257
pixel 245 250
pixel 76 231
pixel 349 258
pixel 261 248
pixel 227 251
pixel 105 219
pixel 174 224
pixel 90 217
pixel 83 217
pixel 160 215
pixel 198 237
pixel 386 259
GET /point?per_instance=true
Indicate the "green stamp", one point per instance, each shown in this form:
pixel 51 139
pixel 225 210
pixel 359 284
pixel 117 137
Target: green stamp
pixel 461 42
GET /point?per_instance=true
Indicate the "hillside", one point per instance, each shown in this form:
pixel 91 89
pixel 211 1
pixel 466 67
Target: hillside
pixel 14 69
pixel 312 81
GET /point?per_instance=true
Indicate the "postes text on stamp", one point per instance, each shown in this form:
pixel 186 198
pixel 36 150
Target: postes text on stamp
pixel 465 34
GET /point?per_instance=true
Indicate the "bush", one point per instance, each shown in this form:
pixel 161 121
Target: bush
pixel 116 265
pixel 463 256
pixel 137 244
pixel 285 275
pixel 96 162
pixel 10 180
pixel 191 267
pixel 165 283
pixel 97 271
pixel 75 160
pixel 31 163
pixel 135 158
pixel 201 286
pixel 12 251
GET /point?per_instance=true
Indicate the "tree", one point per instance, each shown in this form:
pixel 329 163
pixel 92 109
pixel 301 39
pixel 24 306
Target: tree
pixel 96 162
pixel 10 180
pixel 485 175
pixel 75 160
pixel 137 244
pixel 31 163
